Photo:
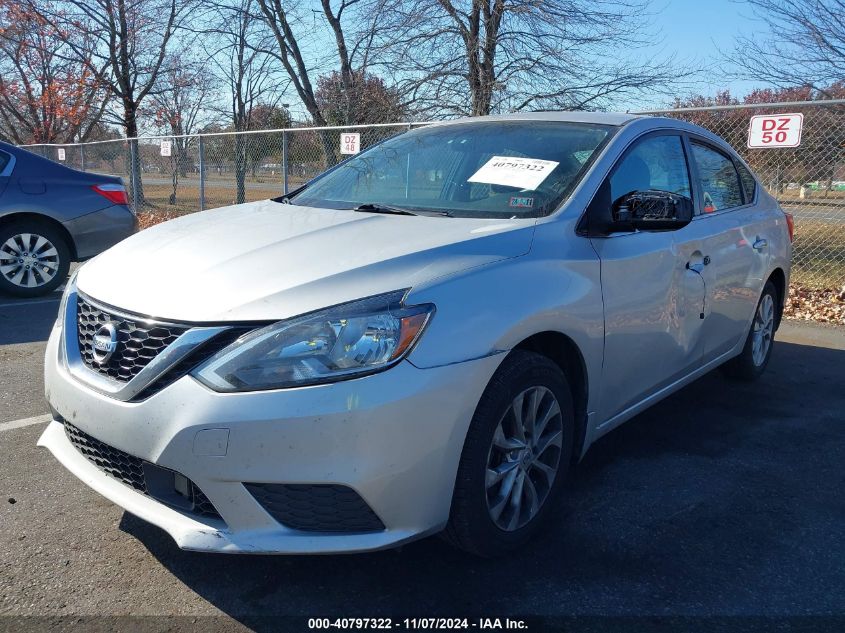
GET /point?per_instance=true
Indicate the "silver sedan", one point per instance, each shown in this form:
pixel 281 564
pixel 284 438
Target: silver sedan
pixel 421 340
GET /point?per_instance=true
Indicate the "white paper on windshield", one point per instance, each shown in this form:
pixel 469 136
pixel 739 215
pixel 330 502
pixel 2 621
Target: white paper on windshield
pixel 525 173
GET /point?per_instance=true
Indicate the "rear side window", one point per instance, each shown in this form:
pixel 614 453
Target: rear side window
pixel 656 163
pixel 720 184
pixel 749 184
pixel 4 160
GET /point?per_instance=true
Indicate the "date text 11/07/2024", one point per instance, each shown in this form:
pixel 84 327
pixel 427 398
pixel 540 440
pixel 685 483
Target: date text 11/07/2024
pixel 431 624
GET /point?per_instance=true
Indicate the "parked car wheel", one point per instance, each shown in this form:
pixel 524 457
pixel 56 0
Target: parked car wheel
pixel 515 458
pixel 34 258
pixel 751 363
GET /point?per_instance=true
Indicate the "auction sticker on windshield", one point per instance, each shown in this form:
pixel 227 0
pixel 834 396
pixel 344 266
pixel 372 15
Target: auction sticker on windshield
pixel 511 171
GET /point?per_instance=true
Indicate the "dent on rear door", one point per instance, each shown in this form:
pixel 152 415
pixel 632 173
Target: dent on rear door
pixel 728 277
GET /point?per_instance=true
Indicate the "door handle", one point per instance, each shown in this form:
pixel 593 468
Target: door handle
pixel 759 245
pixel 698 266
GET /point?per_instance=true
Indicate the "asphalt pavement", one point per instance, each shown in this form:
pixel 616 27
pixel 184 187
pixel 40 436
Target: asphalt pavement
pixel 726 499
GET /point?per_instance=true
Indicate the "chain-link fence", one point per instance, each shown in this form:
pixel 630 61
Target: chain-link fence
pixel 178 175
pixel 168 176
pixel 808 180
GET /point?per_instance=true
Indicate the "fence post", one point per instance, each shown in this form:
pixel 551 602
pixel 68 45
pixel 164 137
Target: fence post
pixel 133 176
pixel 202 174
pixel 82 156
pixel 285 160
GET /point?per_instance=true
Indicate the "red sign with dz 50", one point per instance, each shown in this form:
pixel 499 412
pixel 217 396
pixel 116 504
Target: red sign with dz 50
pixel 775 130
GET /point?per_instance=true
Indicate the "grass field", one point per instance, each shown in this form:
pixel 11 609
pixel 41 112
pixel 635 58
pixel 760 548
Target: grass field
pixel 818 258
pixel 157 207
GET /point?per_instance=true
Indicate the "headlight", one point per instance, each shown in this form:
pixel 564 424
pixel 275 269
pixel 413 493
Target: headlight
pixel 345 341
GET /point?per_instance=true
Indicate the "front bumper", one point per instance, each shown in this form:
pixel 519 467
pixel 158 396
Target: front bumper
pixel 395 438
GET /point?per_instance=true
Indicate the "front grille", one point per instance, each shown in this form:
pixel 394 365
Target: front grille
pixel 194 359
pixel 130 470
pixel 316 507
pixel 138 340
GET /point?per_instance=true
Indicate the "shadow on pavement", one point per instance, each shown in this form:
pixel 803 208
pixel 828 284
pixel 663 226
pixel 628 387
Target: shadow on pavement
pixel 726 498
pixel 23 321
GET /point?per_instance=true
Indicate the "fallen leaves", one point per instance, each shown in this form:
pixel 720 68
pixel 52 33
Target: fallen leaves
pixel 824 305
pixel 151 217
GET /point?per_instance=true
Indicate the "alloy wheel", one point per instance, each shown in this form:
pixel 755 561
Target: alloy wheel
pixel 28 260
pixel 764 321
pixel 524 458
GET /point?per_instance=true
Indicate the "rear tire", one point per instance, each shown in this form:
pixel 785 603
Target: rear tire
pixel 755 355
pixel 510 474
pixel 34 258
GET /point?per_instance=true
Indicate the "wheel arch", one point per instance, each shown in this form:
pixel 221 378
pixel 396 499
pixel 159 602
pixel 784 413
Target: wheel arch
pixel 45 220
pixel 564 352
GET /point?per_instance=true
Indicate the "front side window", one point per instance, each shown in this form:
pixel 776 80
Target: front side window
pixel 656 163
pixel 720 185
pixel 481 170
pixel 4 160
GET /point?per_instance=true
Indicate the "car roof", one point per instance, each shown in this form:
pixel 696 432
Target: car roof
pixel 601 118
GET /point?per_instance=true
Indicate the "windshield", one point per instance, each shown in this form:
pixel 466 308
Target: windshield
pixel 480 170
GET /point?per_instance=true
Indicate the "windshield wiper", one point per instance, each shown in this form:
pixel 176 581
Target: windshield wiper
pixel 375 207
pixel 370 207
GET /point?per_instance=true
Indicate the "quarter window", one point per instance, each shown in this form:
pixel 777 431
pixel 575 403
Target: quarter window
pixel 720 184
pixel 4 160
pixel 655 163
pixel 749 184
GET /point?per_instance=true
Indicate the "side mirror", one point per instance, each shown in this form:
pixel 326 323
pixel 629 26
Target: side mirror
pixel 651 211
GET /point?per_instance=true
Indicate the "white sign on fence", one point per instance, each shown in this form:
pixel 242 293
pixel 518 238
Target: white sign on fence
pixel 775 130
pixel 165 148
pixel 350 143
pixel 61 153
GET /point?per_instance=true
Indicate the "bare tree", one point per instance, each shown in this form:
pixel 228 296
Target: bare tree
pixel 477 57
pixel 353 24
pixel 44 96
pixel 236 53
pixel 805 45
pixel 132 38
pixel 178 106
pixel 288 51
pixel 180 101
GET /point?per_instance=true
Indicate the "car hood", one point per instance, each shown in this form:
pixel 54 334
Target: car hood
pixel 264 260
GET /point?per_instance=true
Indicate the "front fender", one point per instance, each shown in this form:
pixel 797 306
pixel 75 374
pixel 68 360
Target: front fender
pixel 486 310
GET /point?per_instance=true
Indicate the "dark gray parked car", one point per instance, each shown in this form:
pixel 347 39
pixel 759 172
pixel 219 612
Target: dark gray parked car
pixel 51 215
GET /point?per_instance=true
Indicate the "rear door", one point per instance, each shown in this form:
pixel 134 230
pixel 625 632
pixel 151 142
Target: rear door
pixel 652 299
pixel 733 236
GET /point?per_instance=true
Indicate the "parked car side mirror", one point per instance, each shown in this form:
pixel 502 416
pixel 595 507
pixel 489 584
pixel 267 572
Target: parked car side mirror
pixel 651 211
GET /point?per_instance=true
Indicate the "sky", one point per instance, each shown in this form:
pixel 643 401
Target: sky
pixel 704 30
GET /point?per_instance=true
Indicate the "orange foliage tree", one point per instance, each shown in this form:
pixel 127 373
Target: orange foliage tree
pixel 821 153
pixel 45 97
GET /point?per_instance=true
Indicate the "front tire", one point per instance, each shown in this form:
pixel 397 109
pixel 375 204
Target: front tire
pixel 34 258
pixel 515 458
pixel 755 355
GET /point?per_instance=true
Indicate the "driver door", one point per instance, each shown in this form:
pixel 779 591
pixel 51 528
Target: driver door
pixel 653 295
